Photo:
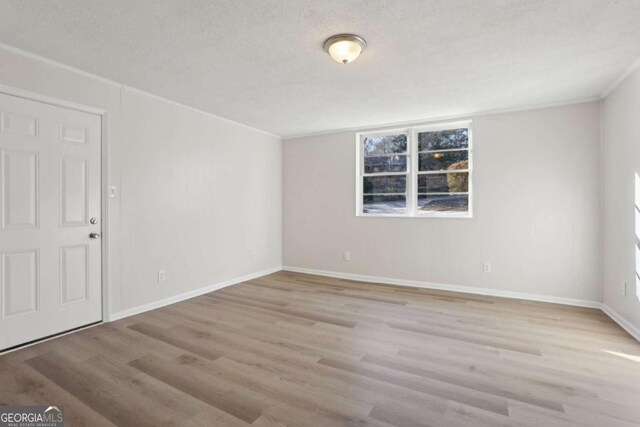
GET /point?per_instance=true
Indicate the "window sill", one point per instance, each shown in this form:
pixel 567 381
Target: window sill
pixel 432 216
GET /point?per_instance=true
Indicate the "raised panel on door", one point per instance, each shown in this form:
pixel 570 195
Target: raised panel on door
pixel 73 133
pixel 74 273
pixel 19 282
pixel 19 189
pixel 18 123
pixel 73 191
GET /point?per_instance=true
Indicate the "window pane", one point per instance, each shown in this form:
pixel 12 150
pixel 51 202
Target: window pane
pixel 378 164
pixel 454 182
pixel 443 203
pixel 388 144
pixel 384 204
pixel 443 139
pixel 444 160
pixel 384 184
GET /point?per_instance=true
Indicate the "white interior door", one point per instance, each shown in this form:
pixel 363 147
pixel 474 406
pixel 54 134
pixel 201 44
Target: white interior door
pixel 50 266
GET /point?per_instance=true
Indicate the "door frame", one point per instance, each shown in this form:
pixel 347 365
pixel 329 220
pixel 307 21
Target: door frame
pixel 104 181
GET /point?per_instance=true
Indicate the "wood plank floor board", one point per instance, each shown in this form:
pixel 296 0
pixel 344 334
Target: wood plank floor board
pixel 291 349
pixel 326 341
pixel 424 385
pixel 587 418
pixel 114 401
pixel 29 387
pixel 270 357
pixel 213 390
pixel 461 415
pixel 304 395
pixel 190 345
pixel 258 358
pixel 511 391
pixel 287 313
pixel 407 415
pixel 226 314
pixel 501 344
pixel 231 340
pixel 180 405
pixel 546 384
pixel 310 343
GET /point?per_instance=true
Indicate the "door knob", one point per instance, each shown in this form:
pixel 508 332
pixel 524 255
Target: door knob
pixel 94 235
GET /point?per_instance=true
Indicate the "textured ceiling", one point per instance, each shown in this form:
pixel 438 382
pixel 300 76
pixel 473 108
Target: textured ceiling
pixel 261 63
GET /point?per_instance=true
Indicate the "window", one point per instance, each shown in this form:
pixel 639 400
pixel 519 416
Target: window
pixel 422 171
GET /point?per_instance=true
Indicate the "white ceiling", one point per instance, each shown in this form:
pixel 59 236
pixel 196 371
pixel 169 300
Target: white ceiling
pixel 261 63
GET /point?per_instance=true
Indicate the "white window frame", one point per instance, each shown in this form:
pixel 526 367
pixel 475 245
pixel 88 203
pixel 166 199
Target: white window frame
pixel 412 172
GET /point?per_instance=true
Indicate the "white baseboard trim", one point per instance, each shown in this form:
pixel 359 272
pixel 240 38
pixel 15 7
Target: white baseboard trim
pixel 445 287
pixel 188 295
pixel 624 323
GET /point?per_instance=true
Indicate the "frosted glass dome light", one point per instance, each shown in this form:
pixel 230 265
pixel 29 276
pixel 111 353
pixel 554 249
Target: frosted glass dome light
pixel 345 48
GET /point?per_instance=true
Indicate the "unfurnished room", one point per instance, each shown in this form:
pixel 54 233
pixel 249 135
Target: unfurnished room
pixel 318 213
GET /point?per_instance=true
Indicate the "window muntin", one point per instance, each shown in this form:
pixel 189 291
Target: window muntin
pixel 419 171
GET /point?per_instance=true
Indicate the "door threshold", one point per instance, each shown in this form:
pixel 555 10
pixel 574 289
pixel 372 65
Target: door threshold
pixel 48 338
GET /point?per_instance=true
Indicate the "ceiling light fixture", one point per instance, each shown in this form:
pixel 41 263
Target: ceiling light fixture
pixel 345 48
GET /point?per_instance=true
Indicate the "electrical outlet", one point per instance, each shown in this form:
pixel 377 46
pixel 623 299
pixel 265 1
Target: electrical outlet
pixel 347 256
pixel 624 289
pixel 486 267
pixel 162 276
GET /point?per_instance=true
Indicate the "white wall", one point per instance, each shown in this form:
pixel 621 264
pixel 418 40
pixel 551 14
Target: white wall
pixel 537 210
pixel 621 160
pixel 197 194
